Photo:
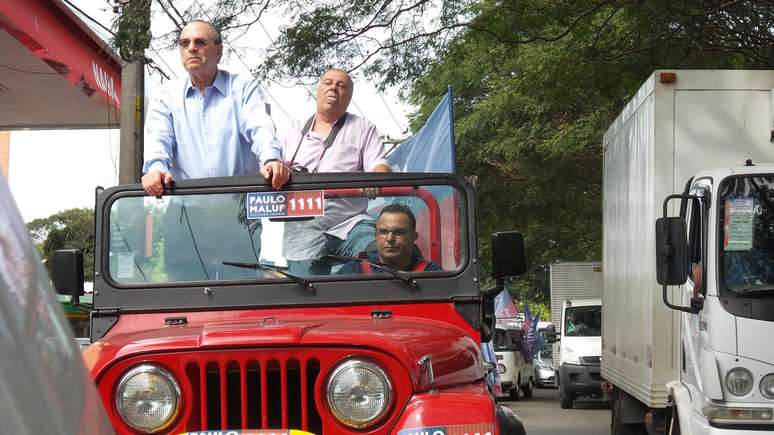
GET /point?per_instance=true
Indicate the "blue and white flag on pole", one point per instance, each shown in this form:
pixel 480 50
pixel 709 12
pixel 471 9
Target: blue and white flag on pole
pixel 432 148
pixel 530 333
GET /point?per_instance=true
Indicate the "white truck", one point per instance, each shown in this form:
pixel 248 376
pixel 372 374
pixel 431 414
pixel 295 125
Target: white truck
pixel 576 288
pixel 693 356
pixel 515 372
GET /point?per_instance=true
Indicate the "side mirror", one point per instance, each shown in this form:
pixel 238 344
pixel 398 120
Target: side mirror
pixel 672 259
pixel 671 251
pixel 551 337
pixel 68 272
pixel 508 254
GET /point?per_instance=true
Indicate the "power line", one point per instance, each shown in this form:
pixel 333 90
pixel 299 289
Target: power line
pixel 163 61
pixel 89 17
pixel 298 80
pixel 245 64
pixel 373 82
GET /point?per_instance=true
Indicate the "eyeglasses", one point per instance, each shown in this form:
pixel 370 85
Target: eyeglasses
pixel 397 232
pixel 198 42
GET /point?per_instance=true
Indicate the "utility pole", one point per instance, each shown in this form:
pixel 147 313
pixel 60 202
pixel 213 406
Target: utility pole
pixel 133 38
pixel 132 109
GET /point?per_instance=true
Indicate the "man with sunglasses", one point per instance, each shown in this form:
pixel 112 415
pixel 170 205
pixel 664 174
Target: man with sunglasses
pixel 210 123
pixel 396 249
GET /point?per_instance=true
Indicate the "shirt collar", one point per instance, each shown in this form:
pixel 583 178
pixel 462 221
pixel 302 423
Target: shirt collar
pixel 219 83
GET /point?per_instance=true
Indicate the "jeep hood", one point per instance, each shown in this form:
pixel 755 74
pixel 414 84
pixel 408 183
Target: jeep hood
pixel 456 357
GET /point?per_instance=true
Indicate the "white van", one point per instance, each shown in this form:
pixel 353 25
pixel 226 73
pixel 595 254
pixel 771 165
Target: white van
pixel 516 373
pixel 580 347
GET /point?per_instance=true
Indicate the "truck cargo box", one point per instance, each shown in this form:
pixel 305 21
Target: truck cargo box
pixel 572 280
pixel 678 124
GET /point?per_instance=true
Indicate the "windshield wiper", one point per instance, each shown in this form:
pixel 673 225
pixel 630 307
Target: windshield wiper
pixel 306 284
pixel 408 279
pixel 755 293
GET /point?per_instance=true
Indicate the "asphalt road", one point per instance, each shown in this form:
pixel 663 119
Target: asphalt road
pixel 542 415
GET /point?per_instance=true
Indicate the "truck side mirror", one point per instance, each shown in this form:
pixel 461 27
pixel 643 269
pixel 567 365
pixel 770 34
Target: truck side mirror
pixel 671 251
pixel 508 254
pixel 68 272
pixel 551 337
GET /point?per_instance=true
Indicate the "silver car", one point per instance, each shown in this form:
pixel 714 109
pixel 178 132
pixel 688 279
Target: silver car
pixel 544 369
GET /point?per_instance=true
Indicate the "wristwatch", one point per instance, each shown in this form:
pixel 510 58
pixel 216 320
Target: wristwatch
pixel 273 160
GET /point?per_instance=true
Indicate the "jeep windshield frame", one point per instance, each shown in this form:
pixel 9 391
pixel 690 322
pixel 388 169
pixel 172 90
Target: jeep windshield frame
pixel 444 285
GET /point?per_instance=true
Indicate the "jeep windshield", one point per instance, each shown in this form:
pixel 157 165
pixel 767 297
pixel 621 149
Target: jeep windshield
pixel 747 234
pixel 255 235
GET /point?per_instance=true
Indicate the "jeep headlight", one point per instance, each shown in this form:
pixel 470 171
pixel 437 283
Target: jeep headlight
pixel 739 381
pixel 767 386
pixel 148 398
pixel 569 356
pixel 359 393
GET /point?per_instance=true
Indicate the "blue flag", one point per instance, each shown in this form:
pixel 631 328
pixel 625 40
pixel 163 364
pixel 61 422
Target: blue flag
pixel 432 148
pixel 530 333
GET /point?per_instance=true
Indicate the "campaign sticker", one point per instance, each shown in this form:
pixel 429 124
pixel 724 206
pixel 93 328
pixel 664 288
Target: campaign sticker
pixel 125 265
pixel 285 204
pixel 739 225
pixel 457 429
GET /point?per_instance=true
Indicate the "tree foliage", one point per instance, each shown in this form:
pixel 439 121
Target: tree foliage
pixel 68 229
pixel 536 83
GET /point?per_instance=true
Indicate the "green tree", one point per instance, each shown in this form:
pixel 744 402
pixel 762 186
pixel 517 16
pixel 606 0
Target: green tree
pixel 68 229
pixel 536 84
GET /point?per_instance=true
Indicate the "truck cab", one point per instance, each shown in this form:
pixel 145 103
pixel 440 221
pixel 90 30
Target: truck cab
pixel 580 347
pixel 724 264
pixel 198 325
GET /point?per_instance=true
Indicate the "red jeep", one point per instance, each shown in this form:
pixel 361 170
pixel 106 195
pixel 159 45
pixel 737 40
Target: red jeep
pixel 198 325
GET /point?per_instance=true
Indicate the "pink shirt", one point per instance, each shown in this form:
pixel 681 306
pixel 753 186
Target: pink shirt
pixel 357 147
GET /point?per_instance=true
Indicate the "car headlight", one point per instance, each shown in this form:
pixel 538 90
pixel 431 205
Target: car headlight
pixel 767 386
pixel 358 393
pixel 148 398
pixel 501 368
pixel 569 356
pixel 739 381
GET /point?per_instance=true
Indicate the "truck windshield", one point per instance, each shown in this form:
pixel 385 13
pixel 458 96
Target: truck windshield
pixel 747 234
pixel 583 321
pixel 308 233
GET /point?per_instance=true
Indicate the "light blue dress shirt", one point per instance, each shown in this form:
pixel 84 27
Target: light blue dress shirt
pixel 227 131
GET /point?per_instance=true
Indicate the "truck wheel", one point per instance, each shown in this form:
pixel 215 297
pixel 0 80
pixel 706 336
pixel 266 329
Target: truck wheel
pixel 527 390
pixel 565 399
pixel 617 427
pixel 514 394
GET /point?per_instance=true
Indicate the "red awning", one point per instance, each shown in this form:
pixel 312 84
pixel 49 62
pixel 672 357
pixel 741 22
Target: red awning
pixel 55 72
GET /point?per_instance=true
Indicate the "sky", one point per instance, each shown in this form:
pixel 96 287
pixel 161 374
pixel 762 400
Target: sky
pixel 50 171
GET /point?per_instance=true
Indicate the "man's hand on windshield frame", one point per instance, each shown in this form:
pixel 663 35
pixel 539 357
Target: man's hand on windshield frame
pixel 276 172
pixel 155 181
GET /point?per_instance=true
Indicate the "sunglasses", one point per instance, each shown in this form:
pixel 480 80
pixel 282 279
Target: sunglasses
pixel 198 42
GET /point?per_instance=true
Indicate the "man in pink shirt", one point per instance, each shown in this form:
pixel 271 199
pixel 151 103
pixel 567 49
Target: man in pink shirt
pixel 332 140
